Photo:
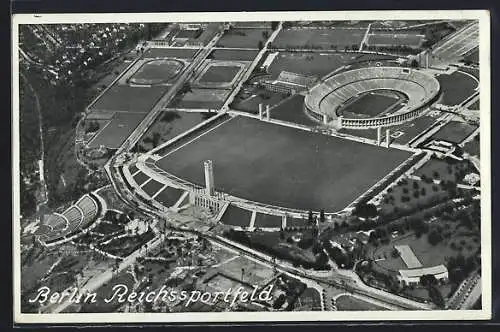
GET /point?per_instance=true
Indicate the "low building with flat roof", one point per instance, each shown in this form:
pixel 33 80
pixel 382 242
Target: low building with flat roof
pixel 412 276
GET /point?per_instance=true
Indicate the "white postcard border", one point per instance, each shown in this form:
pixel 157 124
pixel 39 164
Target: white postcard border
pixel 485 145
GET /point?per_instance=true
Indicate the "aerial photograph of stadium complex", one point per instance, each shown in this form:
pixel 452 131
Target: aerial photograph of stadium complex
pixel 270 166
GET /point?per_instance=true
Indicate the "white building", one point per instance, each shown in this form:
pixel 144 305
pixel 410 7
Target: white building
pixel 412 276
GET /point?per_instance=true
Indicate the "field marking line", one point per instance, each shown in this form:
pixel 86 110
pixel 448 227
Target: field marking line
pixel 159 191
pixel 100 131
pixel 180 200
pixel 195 138
pixel 145 182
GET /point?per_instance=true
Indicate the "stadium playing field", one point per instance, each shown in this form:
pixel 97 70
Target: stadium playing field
pixel 119 128
pixel 368 104
pixel 130 99
pixel 282 166
pixel 157 71
pixel 319 38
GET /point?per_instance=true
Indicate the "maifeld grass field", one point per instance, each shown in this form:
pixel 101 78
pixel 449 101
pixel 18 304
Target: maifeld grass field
pixel 283 166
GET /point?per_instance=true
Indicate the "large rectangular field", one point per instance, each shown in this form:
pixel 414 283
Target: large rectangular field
pixel 243 37
pixel 319 38
pixel 118 129
pixel 201 99
pixel 315 64
pixel 391 39
pixel 454 132
pixel 283 166
pixel 125 98
pixel 231 54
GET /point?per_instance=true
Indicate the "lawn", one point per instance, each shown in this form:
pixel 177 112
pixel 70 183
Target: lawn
pixel 201 99
pixel 456 87
pixel 267 220
pixel 219 74
pixel 315 64
pixel 400 39
pixel 235 216
pixel 409 129
pixel 126 98
pixel 152 187
pixel 292 110
pixel 411 194
pixel 283 166
pixel 350 303
pixel 157 71
pixel 168 125
pixel 118 129
pixel 369 105
pixel 169 196
pixel 249 100
pixel 181 53
pixel 440 169
pixel 310 299
pixel 140 178
pixel 233 55
pixel 319 38
pixel 243 37
pixel 472 147
pixel 454 131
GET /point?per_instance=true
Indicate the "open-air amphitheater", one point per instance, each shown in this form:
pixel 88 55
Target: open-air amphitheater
pixel 74 219
pixel 326 98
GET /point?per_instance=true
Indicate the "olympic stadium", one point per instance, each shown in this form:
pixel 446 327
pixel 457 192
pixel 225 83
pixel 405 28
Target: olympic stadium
pixel 326 100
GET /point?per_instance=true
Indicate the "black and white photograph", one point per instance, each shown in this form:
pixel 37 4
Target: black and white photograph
pixel 277 166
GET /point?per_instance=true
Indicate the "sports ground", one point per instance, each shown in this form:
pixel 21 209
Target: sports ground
pixel 369 104
pixel 315 64
pixel 117 130
pixel 130 99
pixel 157 71
pixel 391 39
pixel 243 37
pixel 319 38
pixel 219 74
pixel 282 166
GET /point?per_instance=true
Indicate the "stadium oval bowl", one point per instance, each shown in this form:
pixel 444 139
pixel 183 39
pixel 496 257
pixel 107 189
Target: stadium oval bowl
pixel 325 99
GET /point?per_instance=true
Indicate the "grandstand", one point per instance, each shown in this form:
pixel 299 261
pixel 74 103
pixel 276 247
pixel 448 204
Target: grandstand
pixel 288 82
pixel 325 99
pixel 75 218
